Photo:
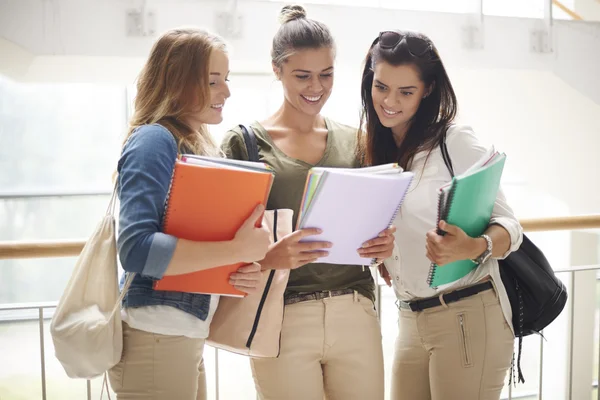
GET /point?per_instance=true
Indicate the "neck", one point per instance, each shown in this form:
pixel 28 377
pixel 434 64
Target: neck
pixel 399 133
pixel 289 116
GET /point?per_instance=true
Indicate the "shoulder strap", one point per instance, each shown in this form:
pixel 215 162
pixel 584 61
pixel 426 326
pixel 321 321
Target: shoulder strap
pixel 446 156
pixel 250 140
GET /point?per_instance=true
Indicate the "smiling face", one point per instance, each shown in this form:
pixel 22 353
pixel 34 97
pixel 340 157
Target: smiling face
pixel 397 93
pixel 307 79
pixel 219 91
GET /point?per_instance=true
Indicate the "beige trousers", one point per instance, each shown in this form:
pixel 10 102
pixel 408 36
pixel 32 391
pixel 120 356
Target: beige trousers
pixel 456 352
pixel 157 367
pixel 330 347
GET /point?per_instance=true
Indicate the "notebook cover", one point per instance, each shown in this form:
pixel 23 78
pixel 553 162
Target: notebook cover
pixel 469 206
pixel 210 204
pixel 352 208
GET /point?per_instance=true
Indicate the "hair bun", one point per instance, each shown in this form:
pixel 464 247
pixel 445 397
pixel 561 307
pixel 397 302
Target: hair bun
pixel 291 13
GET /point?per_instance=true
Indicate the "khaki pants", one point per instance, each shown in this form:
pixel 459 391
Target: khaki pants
pixel 460 351
pixel 157 367
pixel 329 347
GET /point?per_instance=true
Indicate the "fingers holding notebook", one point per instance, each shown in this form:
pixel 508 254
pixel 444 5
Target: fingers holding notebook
pixel 380 247
pixel 247 278
pixel 290 253
pixel 253 242
pixel 454 245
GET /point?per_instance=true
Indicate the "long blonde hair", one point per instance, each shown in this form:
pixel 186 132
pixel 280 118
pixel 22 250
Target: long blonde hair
pixel 176 74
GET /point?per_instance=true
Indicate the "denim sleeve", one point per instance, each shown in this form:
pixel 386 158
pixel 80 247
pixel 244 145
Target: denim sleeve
pixel 145 170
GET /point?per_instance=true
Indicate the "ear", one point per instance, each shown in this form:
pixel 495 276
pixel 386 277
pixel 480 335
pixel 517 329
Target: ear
pixel 276 71
pixel 429 90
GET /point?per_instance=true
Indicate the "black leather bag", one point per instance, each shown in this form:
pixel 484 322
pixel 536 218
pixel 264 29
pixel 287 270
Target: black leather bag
pixel 536 294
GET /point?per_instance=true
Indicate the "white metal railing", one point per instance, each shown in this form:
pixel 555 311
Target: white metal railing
pixel 43 311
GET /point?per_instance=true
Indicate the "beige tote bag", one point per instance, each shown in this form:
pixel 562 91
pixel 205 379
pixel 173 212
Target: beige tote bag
pixel 251 325
pixel 86 327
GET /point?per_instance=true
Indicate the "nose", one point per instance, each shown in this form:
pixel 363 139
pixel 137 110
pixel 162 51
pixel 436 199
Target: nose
pixel 226 91
pixel 391 100
pixel 315 84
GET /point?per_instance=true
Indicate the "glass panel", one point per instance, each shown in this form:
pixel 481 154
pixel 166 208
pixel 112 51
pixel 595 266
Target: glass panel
pixel 235 377
pixel 59 135
pixel 514 8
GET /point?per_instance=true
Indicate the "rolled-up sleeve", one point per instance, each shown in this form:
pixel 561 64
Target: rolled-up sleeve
pixel 145 170
pixel 465 150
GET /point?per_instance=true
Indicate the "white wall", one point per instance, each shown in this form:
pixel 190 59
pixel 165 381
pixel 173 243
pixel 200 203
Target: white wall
pixel 507 92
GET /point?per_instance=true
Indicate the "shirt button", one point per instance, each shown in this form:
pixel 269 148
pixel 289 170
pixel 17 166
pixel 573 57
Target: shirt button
pixel 396 258
pixel 397 278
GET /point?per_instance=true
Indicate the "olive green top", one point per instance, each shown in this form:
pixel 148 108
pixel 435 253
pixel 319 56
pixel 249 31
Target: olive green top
pixel 287 191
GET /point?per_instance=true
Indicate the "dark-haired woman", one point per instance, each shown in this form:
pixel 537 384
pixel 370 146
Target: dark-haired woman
pixel 456 341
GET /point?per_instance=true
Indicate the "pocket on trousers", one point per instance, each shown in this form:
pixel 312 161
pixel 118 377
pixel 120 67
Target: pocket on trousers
pixel 368 306
pixel 463 339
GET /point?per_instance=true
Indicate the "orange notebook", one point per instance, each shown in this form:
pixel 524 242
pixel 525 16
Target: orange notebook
pixel 210 203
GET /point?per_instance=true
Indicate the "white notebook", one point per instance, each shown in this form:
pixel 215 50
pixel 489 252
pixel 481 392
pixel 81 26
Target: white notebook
pixel 351 207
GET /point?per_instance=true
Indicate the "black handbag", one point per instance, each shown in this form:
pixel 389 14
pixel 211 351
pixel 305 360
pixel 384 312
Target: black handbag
pixel 536 294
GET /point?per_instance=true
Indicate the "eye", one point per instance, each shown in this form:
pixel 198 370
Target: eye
pixel 327 75
pixel 380 87
pixel 212 83
pixel 302 77
pixel 407 93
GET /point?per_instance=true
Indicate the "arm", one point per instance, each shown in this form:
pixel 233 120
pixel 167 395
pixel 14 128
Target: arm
pixel 145 171
pixel 504 229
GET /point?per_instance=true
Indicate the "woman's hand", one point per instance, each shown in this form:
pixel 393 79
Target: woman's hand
pixel 453 246
pixel 246 278
pixel 385 275
pixel 380 247
pixel 290 253
pixel 252 242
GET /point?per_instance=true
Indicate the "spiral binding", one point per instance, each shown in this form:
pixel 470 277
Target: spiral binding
pixel 165 218
pixel 443 210
pixel 374 260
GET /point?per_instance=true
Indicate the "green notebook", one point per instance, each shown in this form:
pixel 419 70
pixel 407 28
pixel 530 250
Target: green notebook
pixel 467 202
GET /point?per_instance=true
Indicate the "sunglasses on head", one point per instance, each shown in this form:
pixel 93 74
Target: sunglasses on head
pixel 416 45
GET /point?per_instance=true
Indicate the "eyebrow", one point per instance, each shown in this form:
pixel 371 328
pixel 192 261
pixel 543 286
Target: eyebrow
pixel 308 72
pixel 401 87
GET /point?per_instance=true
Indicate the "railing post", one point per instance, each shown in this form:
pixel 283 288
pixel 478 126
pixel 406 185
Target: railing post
pixel 42 352
pixel 540 386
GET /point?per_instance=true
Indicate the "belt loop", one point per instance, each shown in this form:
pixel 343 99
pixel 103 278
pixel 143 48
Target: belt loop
pixel 494 287
pixel 329 291
pixel 441 297
pixel 355 296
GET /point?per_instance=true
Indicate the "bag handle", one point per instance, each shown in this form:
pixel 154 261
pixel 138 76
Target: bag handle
pixel 110 211
pixel 446 156
pixel 250 141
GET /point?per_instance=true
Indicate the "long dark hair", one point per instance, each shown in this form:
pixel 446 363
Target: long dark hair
pixel 436 112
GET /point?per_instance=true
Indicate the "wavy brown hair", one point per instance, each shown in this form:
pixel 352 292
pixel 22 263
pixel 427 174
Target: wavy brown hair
pixel 174 83
pixel 435 114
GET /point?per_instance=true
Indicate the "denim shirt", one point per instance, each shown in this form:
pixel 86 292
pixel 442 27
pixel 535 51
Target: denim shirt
pixel 145 170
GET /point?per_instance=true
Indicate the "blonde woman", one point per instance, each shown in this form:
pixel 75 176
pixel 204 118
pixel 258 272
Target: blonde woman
pixel 330 340
pixel 182 88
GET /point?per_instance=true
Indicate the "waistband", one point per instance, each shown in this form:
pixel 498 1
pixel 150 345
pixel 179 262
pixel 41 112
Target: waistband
pixel 452 297
pixel 297 298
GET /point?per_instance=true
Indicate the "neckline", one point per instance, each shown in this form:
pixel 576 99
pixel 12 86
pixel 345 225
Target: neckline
pixel 296 160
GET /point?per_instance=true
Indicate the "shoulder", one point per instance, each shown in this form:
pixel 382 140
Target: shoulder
pixel 151 138
pixel 341 129
pixel 233 144
pixel 460 135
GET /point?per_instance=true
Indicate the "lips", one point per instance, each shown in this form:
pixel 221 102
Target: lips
pixel 311 99
pixel 390 113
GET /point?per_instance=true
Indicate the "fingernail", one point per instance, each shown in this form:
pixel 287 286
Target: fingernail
pixel 319 230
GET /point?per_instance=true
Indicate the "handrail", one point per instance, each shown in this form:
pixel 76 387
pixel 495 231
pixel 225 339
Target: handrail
pixel 72 248
pixel 567 10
